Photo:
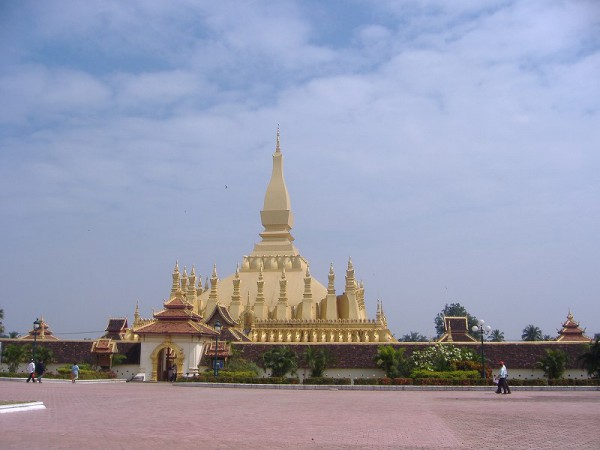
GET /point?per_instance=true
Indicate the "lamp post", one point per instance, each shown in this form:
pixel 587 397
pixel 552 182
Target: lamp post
pixel 36 327
pixel 482 329
pixel 218 330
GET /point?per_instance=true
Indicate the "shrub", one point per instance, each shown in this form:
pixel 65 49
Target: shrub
pixel 392 361
pixel 241 365
pixel 440 358
pixel 209 378
pixel 365 381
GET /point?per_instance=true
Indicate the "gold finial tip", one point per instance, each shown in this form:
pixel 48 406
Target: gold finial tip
pixel 277 147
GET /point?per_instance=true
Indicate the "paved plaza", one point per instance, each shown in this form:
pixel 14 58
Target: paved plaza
pixel 162 416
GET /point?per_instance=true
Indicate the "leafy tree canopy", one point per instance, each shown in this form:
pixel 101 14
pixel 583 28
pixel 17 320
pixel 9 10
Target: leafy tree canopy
pixel 13 355
pixel 453 310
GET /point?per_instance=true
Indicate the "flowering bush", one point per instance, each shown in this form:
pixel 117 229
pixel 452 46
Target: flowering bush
pixel 441 358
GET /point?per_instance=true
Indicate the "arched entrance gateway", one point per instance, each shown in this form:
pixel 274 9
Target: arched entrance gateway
pixel 176 336
pixel 163 358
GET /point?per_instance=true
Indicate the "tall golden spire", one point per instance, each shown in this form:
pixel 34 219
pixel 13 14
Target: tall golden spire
pixel 276 215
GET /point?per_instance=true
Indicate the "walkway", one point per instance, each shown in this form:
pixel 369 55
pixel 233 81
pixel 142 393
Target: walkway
pixel 158 416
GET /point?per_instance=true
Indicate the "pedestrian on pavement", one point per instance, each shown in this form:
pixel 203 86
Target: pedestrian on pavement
pixel 31 371
pixel 74 372
pixel 40 369
pixel 503 380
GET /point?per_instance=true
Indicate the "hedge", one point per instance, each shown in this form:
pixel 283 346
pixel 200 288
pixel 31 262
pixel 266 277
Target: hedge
pixel 237 379
pixel 327 381
pixel 61 375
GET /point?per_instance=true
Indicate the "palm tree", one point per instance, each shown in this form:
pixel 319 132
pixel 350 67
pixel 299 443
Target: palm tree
pixel 1 319
pixel 590 359
pixel 496 336
pixel 531 333
pixel 553 364
pixel 280 360
pixel 413 336
pixel 317 361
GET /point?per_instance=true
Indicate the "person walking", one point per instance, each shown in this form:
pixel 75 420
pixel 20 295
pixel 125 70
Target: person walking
pixel 40 369
pixel 503 380
pixel 74 372
pixel 31 371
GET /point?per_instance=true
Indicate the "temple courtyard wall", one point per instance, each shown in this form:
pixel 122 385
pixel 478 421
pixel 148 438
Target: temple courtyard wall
pixel 347 360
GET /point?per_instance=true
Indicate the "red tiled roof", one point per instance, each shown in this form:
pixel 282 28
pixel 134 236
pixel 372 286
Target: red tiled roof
pixel 104 346
pixel 116 325
pixel 221 312
pixel 175 327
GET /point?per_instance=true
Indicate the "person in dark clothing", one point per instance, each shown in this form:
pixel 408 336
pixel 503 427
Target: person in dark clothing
pixel 40 369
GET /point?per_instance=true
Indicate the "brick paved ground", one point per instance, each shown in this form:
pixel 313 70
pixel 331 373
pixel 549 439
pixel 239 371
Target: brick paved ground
pixel 161 416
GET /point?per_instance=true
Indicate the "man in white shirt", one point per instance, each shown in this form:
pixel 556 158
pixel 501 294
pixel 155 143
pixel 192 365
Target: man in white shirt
pixel 31 370
pixel 503 380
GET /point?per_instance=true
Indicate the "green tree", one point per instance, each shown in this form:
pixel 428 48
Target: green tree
pixel 453 310
pixel 281 361
pixel 13 355
pixel 553 364
pixel 413 336
pixel 317 361
pixel 392 361
pixel 496 336
pixel 44 354
pixel 1 321
pixel 531 333
pixel 590 358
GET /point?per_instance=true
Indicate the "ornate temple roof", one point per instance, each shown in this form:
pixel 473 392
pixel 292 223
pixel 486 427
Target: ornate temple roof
pixel 43 333
pixel 456 330
pixel 230 330
pixel 571 332
pixel 117 328
pixel 177 317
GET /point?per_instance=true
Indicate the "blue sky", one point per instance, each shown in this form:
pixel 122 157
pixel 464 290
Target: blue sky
pixel 450 148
